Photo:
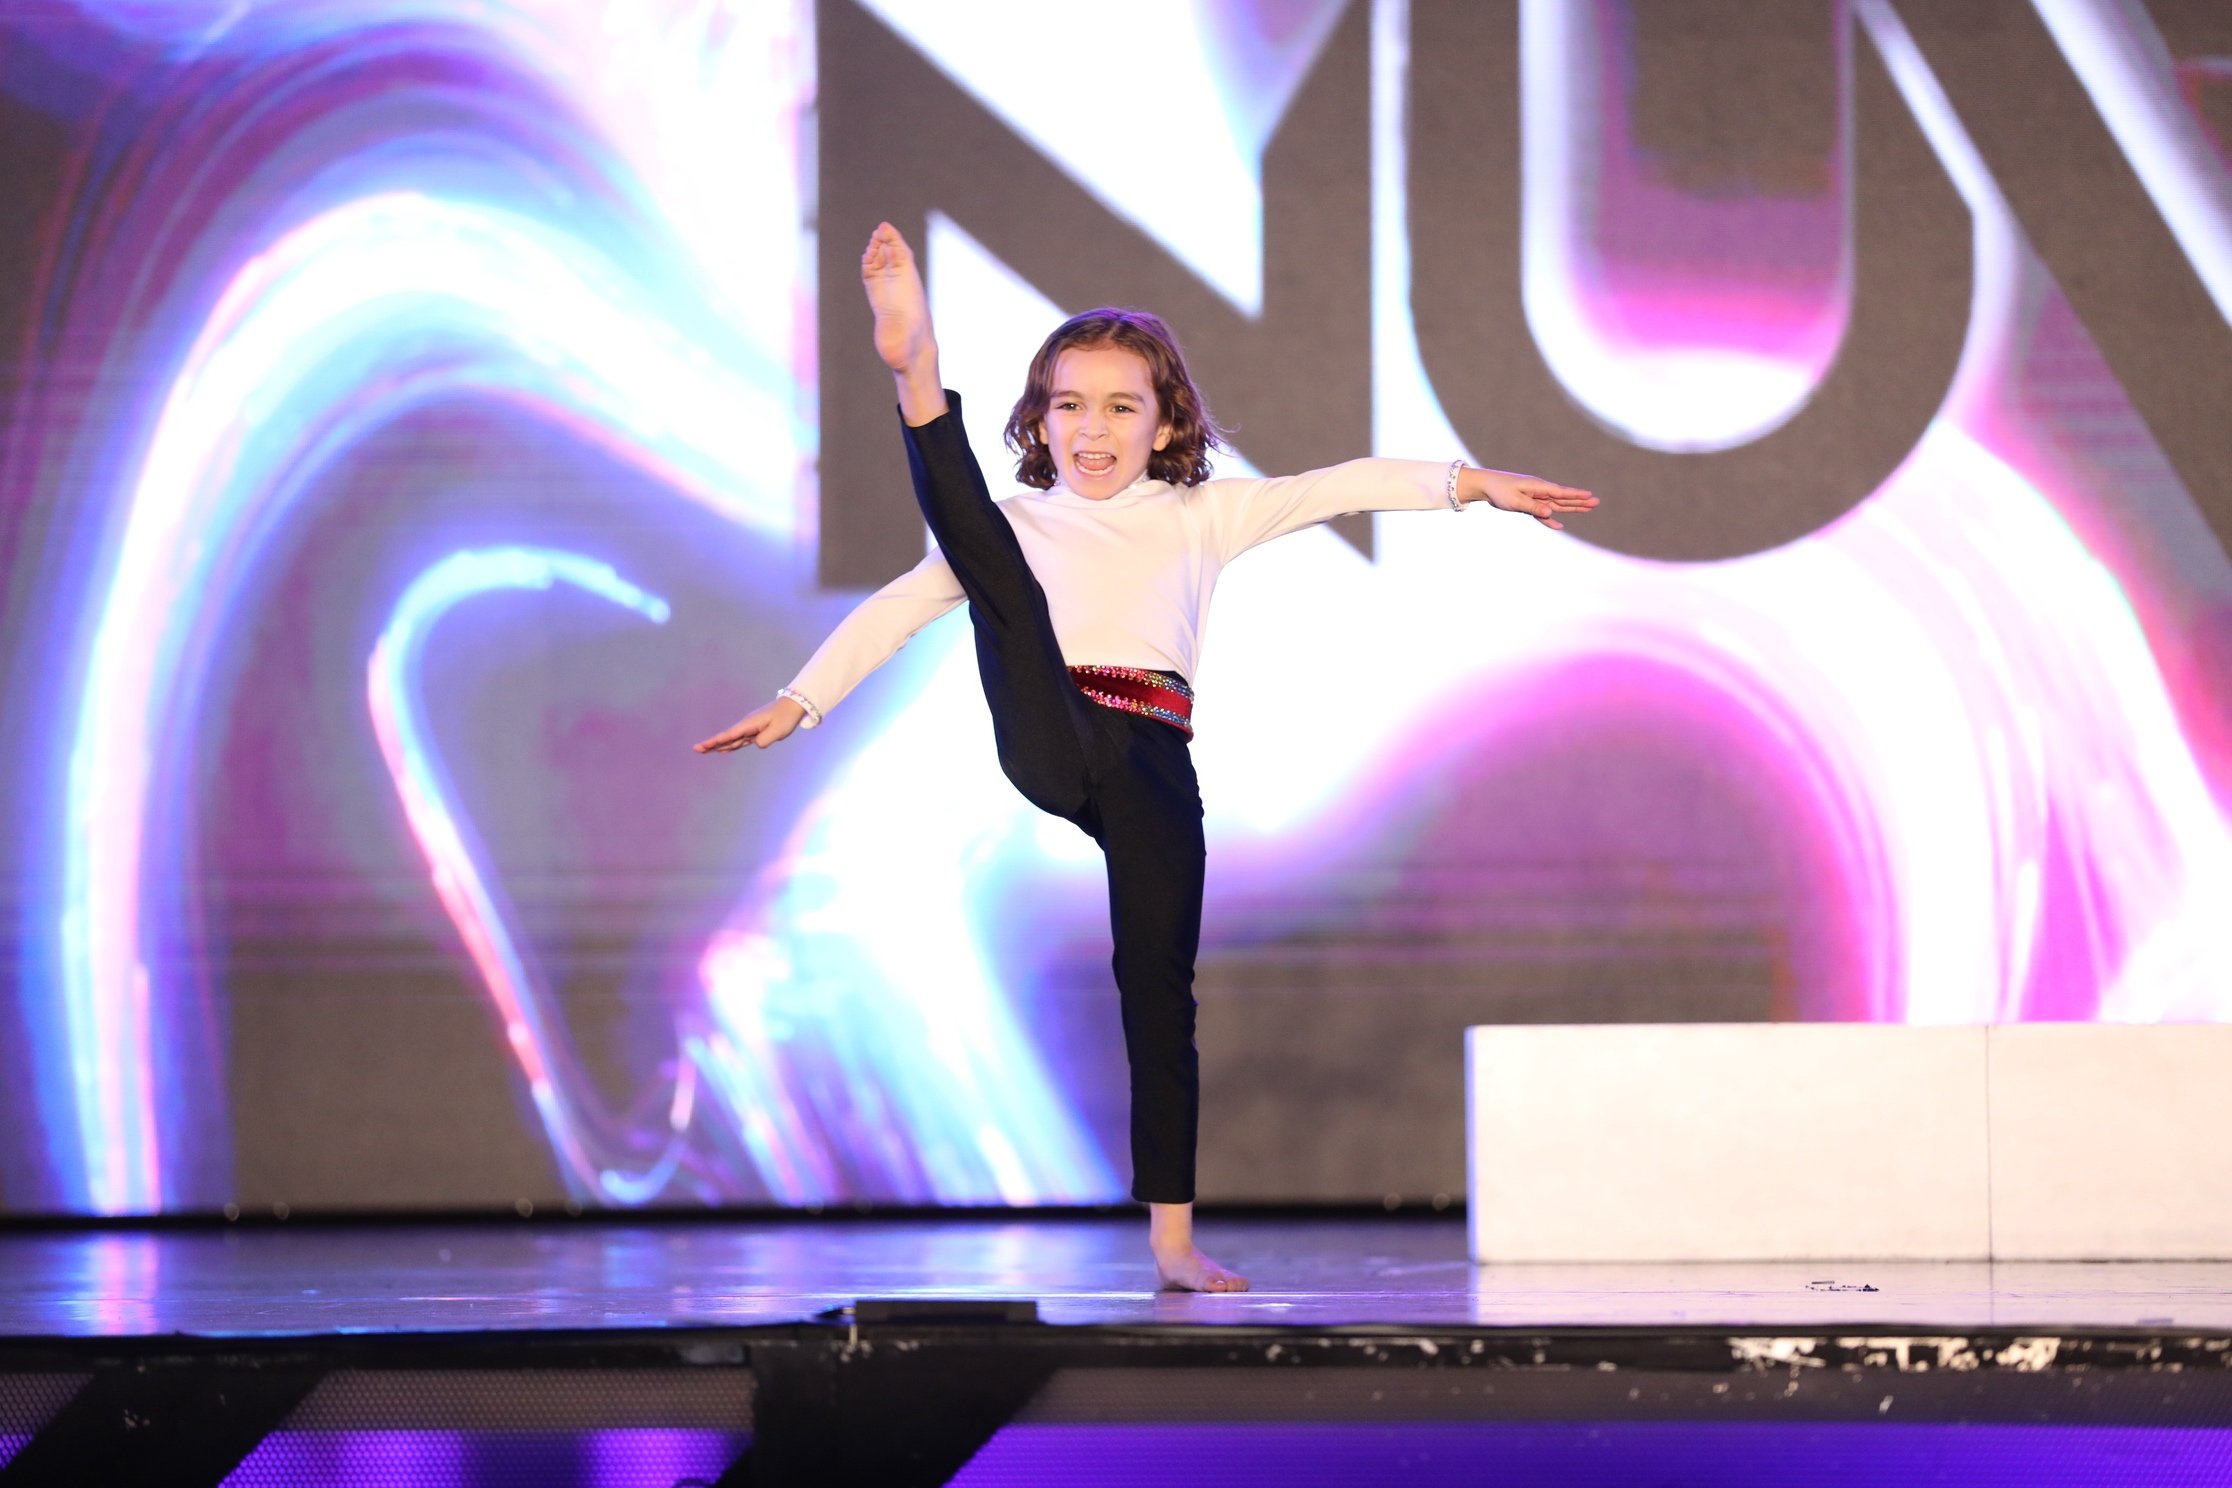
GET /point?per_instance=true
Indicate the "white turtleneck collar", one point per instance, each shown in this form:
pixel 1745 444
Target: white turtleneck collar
pixel 1139 490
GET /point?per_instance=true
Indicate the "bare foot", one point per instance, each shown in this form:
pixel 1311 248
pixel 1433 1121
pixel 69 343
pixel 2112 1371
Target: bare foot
pixel 1179 1264
pixel 1191 1271
pixel 895 294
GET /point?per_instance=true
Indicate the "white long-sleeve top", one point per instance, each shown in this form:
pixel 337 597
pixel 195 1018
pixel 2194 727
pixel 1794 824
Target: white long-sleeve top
pixel 1128 578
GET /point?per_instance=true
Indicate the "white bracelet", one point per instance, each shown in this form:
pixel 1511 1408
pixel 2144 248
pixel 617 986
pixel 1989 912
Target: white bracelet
pixel 1449 485
pixel 813 714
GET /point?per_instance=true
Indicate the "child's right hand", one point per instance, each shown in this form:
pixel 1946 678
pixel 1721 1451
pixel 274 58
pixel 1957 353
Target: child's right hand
pixel 770 725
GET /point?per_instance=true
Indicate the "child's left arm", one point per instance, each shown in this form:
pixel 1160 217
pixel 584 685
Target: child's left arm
pixel 1255 511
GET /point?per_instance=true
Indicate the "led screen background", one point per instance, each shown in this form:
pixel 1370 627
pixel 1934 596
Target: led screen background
pixel 425 419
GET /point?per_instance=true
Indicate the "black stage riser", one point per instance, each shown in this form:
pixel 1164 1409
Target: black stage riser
pixel 912 1402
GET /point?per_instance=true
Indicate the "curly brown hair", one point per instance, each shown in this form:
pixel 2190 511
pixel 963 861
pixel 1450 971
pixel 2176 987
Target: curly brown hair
pixel 1184 461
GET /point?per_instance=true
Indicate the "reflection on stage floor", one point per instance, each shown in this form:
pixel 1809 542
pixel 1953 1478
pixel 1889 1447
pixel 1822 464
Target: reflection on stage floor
pixel 324 1278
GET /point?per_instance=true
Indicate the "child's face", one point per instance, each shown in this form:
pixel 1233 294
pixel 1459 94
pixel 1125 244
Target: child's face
pixel 1101 420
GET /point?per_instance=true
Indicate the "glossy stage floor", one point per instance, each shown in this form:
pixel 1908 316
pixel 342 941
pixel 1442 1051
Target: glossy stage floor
pixel 1000 1351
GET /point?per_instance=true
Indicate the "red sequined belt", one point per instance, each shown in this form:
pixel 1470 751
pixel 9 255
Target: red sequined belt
pixel 1162 695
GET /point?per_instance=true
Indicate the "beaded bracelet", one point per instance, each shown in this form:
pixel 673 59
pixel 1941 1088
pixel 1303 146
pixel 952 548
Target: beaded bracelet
pixel 813 714
pixel 1449 485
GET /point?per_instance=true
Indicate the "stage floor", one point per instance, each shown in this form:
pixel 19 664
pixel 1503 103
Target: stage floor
pixel 323 1279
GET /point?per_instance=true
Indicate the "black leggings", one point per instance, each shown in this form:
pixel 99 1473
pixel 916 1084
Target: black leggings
pixel 1124 779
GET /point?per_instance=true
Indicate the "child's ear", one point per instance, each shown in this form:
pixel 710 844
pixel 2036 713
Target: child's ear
pixel 1162 438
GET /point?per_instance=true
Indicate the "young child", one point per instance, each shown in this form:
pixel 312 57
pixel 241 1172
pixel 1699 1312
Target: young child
pixel 1087 593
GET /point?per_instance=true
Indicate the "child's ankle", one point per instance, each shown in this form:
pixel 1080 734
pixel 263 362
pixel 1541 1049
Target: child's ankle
pixel 1170 1226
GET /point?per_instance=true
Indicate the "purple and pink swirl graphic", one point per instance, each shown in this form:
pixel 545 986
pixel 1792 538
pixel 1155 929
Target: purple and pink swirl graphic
pixel 366 348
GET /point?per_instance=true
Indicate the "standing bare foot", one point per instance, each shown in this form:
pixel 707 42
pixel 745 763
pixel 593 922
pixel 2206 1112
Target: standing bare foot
pixel 1191 1271
pixel 1179 1264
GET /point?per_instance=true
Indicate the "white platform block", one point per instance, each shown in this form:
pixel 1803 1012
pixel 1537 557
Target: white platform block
pixel 2109 1142
pixel 1697 1142
pixel 1802 1142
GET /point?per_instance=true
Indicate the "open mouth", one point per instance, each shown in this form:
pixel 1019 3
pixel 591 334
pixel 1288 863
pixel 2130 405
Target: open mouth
pixel 1093 462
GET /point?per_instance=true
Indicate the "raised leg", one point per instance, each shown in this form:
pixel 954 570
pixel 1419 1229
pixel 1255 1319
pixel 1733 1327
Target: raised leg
pixel 1048 744
pixel 1039 718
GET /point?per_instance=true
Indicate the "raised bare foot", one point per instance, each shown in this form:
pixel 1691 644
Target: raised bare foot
pixel 1191 1271
pixel 895 294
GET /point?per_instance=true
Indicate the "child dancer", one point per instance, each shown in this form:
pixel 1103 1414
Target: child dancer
pixel 1088 676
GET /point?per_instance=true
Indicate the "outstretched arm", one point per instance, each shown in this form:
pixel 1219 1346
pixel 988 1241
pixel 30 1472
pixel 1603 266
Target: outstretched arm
pixel 904 338
pixel 884 621
pixel 1248 512
pixel 864 640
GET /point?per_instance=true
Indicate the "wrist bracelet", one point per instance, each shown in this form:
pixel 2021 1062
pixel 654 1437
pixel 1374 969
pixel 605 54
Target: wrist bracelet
pixel 1449 485
pixel 813 714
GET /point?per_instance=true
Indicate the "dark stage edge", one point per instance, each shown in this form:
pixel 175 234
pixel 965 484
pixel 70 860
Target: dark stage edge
pixel 1031 1351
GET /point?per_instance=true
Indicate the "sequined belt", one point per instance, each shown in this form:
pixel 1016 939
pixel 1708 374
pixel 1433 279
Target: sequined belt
pixel 1162 695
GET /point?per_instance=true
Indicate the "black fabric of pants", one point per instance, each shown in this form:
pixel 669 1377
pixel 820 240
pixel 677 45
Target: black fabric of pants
pixel 1126 780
